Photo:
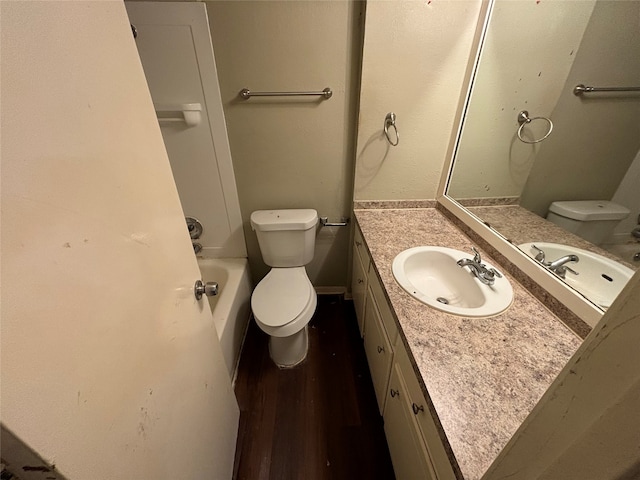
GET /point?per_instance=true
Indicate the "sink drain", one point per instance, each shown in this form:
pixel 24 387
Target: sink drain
pixel 443 300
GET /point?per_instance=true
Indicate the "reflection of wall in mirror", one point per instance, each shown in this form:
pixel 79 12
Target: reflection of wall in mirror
pixel 528 53
pixel 595 137
pixel 628 194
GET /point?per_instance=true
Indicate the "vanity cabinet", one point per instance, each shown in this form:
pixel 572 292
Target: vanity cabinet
pixel 416 449
pixel 359 276
pixel 375 321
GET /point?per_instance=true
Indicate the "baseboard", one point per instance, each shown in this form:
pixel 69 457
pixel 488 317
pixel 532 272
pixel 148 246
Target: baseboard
pixel 331 290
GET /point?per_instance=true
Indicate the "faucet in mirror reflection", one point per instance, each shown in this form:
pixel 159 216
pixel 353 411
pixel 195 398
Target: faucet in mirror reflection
pixel 559 266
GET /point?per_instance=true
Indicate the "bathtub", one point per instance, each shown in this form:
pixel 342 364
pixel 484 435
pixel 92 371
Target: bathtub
pixel 230 308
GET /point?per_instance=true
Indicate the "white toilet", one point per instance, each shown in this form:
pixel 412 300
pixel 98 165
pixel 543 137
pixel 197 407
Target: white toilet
pixel 284 301
pixel 593 220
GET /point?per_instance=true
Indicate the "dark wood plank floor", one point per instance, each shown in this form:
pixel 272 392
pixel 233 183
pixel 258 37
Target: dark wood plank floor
pixel 317 421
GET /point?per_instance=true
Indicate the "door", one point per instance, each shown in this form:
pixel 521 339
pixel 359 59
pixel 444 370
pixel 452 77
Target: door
pixel 111 369
pixel 175 48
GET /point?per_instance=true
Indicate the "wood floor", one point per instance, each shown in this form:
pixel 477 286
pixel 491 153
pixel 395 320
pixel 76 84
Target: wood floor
pixel 317 421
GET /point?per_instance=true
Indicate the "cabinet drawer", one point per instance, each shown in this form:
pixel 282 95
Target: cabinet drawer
pixel 359 290
pixel 379 351
pixel 406 446
pixel 420 410
pixel 383 307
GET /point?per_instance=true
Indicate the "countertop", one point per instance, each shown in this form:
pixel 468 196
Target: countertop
pixel 482 375
pixel 519 225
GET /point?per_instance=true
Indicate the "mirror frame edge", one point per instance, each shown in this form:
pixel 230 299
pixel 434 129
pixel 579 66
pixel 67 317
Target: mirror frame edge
pixel 575 302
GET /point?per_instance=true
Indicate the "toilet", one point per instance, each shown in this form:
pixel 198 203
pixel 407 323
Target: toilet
pixel 285 300
pixel 593 220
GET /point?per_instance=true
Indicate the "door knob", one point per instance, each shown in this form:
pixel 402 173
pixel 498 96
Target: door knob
pixel 209 289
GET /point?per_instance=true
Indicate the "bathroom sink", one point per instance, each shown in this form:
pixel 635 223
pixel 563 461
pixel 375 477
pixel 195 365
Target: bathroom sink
pixel 600 279
pixel 432 276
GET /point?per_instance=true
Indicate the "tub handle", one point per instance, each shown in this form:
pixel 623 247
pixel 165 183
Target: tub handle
pixel 209 289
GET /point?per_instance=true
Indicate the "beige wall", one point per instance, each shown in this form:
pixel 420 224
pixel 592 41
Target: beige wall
pixel 291 153
pixel 527 55
pixel 595 137
pixel 415 56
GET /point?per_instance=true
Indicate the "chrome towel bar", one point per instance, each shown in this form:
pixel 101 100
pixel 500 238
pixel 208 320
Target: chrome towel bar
pixel 581 89
pixel 246 94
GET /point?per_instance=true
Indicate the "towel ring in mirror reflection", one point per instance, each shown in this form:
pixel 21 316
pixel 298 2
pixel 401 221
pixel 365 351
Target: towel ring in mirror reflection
pixel 524 119
pixel 390 121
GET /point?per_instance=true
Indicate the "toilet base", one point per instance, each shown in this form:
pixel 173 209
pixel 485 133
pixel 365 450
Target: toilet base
pixel 287 352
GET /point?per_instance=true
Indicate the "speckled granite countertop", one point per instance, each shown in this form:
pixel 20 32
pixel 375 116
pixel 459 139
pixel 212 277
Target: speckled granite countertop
pixel 482 375
pixel 520 225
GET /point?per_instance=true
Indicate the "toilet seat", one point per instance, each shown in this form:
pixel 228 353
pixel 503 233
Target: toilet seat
pixel 284 301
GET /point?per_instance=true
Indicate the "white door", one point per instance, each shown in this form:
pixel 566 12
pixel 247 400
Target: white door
pixel 110 367
pixel 175 48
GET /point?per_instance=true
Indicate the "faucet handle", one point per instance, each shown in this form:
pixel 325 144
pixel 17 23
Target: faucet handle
pixel 569 269
pixel 540 256
pixel 495 272
pixel 476 258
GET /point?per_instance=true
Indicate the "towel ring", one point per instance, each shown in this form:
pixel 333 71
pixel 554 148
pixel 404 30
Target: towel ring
pixel 390 121
pixel 524 119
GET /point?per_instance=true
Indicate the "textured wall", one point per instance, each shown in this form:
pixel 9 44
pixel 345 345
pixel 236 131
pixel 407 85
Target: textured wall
pixel 415 56
pixel 292 153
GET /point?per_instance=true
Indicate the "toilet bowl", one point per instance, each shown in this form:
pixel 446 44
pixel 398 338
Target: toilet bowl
pixel 283 304
pixel 284 301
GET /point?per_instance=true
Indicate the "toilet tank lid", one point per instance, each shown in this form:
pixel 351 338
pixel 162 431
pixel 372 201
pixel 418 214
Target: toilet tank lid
pixel 292 219
pixel 590 210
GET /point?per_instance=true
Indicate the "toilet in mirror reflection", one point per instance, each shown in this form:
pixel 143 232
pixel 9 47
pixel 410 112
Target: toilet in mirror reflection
pixel 593 220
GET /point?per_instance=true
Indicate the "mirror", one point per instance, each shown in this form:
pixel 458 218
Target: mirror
pixel 532 56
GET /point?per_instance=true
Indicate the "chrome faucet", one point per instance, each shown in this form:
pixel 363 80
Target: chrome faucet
pixel 558 266
pixel 479 269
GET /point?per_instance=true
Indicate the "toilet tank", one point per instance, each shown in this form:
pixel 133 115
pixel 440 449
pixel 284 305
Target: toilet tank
pixel 593 220
pixel 287 238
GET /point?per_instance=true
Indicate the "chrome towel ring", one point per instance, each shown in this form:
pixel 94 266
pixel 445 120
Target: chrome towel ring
pixel 390 121
pixel 524 119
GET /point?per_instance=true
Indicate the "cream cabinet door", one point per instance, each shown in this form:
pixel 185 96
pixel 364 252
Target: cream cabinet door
pixel 359 290
pixel 408 453
pixel 378 349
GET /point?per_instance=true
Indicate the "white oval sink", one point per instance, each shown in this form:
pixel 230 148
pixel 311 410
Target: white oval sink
pixel 432 276
pixel 599 278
